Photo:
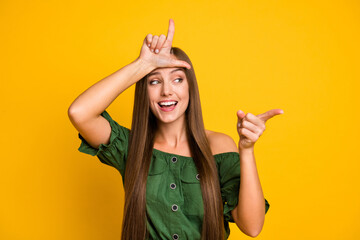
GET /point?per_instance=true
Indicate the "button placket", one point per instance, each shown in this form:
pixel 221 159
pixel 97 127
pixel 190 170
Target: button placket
pixel 174 207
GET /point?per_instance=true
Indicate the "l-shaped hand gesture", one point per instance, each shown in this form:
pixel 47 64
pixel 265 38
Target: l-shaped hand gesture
pixel 156 50
pixel 251 127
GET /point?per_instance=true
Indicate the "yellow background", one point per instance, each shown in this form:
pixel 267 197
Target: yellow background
pixel 300 56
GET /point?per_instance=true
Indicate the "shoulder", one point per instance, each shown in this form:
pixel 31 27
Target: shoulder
pixel 220 142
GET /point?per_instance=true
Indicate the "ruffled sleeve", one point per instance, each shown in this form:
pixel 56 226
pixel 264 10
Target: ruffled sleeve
pixel 229 176
pixel 113 154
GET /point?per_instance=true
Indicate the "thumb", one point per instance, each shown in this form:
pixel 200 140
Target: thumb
pixel 240 114
pixel 180 63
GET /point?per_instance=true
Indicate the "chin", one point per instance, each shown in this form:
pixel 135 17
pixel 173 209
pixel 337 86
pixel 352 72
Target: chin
pixel 168 120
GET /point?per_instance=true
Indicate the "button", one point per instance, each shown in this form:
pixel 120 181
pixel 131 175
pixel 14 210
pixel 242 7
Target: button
pixel 174 207
pixel 197 177
pixel 175 236
pixel 172 185
pixel 174 159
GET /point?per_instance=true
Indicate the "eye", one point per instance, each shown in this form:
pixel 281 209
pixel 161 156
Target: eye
pixel 153 82
pixel 178 80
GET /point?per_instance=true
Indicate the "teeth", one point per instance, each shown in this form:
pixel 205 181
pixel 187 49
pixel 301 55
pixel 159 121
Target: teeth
pixel 167 103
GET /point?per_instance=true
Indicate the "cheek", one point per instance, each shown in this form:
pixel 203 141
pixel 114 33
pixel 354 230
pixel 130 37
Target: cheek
pixel 186 97
pixel 152 108
pixel 152 102
pixel 152 93
pixel 150 98
pixel 185 93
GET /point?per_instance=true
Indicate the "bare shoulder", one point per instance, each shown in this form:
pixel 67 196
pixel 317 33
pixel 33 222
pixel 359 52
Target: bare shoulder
pixel 220 142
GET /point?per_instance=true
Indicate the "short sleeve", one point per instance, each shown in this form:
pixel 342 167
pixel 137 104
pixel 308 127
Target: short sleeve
pixel 113 154
pixel 229 176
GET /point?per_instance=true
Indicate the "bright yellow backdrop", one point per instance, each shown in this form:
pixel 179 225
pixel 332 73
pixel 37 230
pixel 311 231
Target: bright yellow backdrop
pixel 300 56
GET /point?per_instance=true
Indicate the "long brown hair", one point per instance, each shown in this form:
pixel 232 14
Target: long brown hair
pixel 141 142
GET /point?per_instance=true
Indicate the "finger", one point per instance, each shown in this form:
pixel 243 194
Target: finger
pixel 240 114
pixel 160 43
pixel 252 127
pixel 171 31
pixel 248 134
pixel 154 42
pixel 255 120
pixel 179 63
pixel 149 39
pixel 269 114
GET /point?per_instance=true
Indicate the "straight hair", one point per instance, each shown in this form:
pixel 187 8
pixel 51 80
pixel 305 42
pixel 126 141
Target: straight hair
pixel 141 143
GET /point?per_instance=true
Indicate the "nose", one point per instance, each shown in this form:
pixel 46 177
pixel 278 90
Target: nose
pixel 166 89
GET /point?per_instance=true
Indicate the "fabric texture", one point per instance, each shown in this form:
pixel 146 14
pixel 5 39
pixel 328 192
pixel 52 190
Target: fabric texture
pixel 173 194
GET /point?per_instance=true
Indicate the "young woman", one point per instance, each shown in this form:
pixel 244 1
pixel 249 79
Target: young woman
pixel 181 181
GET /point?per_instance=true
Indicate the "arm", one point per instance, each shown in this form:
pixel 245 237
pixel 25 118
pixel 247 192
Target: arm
pixel 99 96
pixel 84 112
pixel 249 214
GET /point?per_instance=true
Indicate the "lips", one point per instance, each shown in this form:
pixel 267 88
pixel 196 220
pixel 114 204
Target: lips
pixel 167 105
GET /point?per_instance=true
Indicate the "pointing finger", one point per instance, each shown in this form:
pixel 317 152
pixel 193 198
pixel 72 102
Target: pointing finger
pixel 171 30
pixel 269 114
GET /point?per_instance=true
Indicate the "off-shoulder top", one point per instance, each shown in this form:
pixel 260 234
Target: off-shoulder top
pixel 173 195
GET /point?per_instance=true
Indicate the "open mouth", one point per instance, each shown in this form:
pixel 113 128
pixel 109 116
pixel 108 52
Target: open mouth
pixel 167 104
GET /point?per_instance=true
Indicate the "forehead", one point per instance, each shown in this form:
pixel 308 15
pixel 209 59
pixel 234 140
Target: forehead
pixel 166 71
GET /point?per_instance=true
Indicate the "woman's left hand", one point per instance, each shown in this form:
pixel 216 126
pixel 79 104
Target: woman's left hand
pixel 250 127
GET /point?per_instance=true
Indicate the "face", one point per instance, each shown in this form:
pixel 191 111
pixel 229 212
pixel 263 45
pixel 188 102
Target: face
pixel 168 91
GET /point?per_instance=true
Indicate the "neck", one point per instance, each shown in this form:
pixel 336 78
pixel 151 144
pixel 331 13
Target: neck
pixel 171 134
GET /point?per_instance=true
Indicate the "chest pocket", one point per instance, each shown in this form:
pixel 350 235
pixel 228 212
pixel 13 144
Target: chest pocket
pixel 190 181
pixel 157 166
pixel 155 181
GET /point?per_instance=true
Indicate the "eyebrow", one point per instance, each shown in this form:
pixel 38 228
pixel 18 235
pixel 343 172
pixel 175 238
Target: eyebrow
pixel 156 73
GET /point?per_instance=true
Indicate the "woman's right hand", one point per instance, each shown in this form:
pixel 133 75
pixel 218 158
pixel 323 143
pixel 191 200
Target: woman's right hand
pixel 155 50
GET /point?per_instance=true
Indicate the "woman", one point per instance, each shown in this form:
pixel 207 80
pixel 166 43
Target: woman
pixel 181 181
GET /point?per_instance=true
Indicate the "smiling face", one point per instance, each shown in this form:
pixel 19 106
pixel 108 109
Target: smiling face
pixel 168 91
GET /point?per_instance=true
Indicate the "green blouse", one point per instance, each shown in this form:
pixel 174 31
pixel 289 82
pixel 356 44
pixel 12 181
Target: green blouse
pixel 173 195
